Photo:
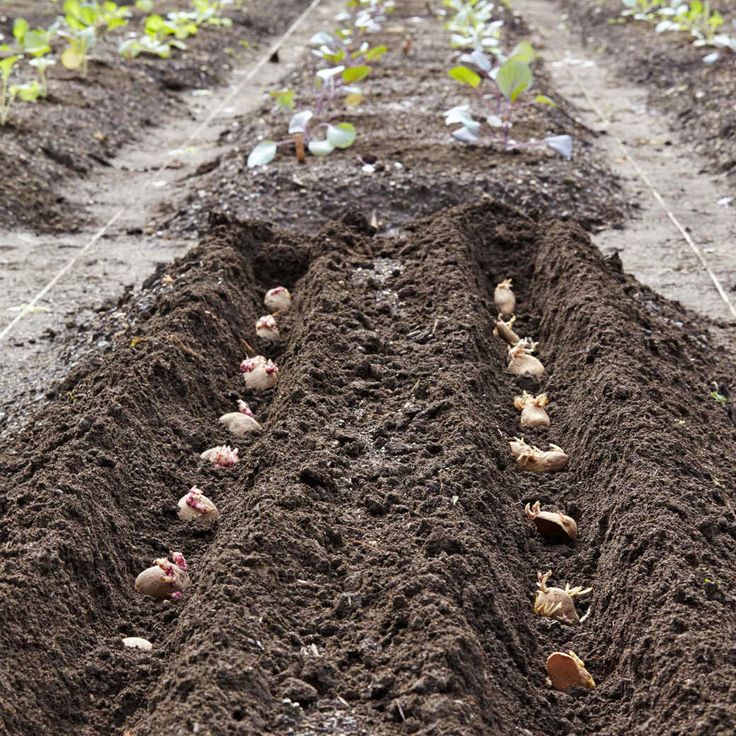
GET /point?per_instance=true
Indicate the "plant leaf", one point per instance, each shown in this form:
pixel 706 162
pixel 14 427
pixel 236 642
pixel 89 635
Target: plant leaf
pixel 300 121
pixel 514 78
pixel 544 100
pixel 264 152
pixel 465 76
pixel 341 135
pixel 562 144
pixel 320 148
pixel 523 52
pixel 375 53
pixel 465 135
pixel 356 73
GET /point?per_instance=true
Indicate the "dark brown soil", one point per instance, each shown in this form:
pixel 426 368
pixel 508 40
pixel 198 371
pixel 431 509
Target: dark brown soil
pixel 83 122
pixel 373 572
pixel 697 94
pixel 419 167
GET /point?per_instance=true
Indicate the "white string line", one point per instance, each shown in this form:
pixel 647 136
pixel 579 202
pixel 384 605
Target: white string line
pixel 275 46
pixel 655 193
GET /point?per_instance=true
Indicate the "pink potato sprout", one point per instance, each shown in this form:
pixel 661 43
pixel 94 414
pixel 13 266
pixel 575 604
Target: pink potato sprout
pixel 195 506
pixel 166 579
pixel 241 422
pixel 266 327
pixel 223 456
pixel 259 374
pixel 277 300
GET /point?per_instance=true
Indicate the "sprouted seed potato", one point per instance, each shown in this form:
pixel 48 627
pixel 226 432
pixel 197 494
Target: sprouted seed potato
pixel 165 579
pixel 566 671
pixel 552 525
pixel 557 603
pixel 266 327
pixel 259 374
pixel 277 299
pixel 504 298
pixel 505 331
pixel 223 456
pixel 241 422
pixel 522 362
pixel 195 506
pixel 529 457
pixel 532 410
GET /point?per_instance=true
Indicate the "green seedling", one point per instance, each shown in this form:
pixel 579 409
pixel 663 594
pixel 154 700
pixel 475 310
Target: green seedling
pixel 7 65
pixel 510 80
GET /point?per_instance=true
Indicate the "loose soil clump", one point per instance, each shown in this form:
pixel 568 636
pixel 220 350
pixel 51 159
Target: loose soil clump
pixel 373 571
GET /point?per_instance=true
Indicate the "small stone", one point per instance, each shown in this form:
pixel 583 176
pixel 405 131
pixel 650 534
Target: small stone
pixel 135 642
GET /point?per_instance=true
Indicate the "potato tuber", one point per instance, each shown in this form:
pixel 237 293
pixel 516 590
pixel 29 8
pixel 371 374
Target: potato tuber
pixel 504 298
pixel 505 332
pixel 259 374
pixel 223 456
pixel 165 579
pixel 529 457
pixel 266 327
pixel 277 299
pixel 557 603
pixel 195 506
pixel 567 671
pixel 532 410
pixel 241 422
pixel 522 362
pixel 552 525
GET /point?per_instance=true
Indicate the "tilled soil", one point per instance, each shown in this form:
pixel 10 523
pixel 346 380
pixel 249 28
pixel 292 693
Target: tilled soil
pixel 415 167
pixel 82 123
pixel 373 572
pixel 697 94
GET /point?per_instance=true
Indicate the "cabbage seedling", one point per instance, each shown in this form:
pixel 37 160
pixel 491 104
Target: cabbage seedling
pixel 504 298
pixel 259 374
pixel 552 525
pixel 522 362
pixel 223 456
pixel 532 409
pixel 166 579
pixel 472 27
pixel 557 603
pixel 510 80
pixel 195 506
pixel 529 457
pixel 266 328
pixel 505 331
pixel 241 422
pixel 567 671
pixel 277 299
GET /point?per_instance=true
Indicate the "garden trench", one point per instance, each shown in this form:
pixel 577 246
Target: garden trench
pixel 373 571
pixel 373 563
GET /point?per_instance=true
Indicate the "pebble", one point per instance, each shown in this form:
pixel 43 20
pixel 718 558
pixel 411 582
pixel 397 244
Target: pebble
pixel 135 642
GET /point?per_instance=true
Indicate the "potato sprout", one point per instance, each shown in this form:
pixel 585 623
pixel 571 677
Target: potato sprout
pixel 241 422
pixel 259 374
pixel 529 457
pixel 266 327
pixel 552 525
pixel 557 603
pixel 166 579
pixel 522 362
pixel 195 506
pixel 567 671
pixel 505 331
pixel 277 299
pixel 532 410
pixel 223 456
pixel 504 298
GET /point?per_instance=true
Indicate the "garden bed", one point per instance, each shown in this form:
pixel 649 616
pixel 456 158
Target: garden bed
pixel 697 95
pixel 83 123
pixel 373 562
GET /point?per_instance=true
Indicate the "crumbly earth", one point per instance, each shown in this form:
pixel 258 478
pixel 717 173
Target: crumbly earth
pixel 373 571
